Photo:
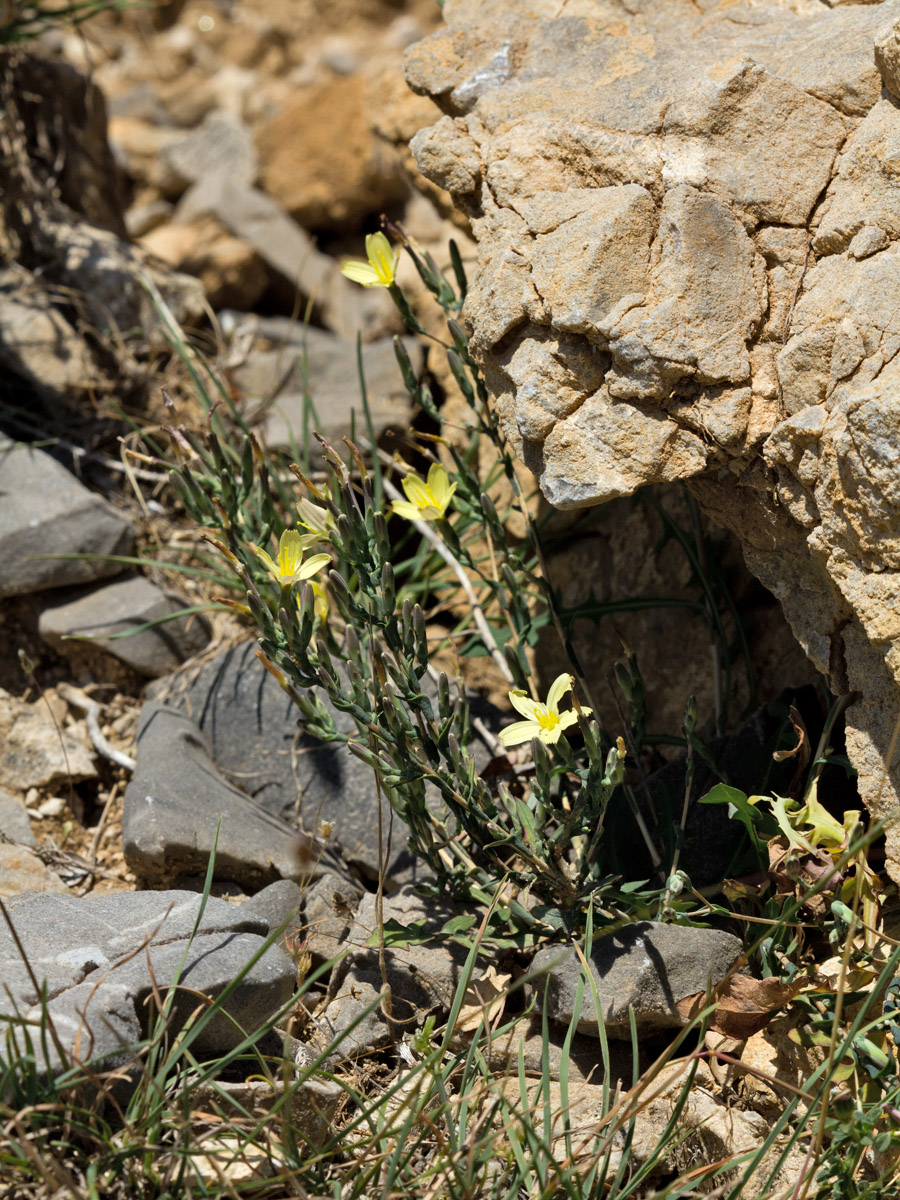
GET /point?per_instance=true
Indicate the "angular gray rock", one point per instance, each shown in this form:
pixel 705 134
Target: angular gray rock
pixel 101 957
pixel 423 978
pixel 44 510
pixel 646 968
pixel 329 906
pixel 14 822
pixel 304 362
pixel 279 905
pixel 220 145
pixel 687 270
pixel 102 613
pixel 252 732
pixel 175 801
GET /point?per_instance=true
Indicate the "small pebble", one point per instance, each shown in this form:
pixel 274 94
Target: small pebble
pixel 55 806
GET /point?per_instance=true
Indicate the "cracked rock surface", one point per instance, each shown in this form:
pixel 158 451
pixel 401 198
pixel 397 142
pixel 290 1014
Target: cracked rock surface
pixel 688 227
pixel 102 958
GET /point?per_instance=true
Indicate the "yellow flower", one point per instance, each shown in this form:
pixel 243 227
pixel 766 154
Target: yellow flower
pixel 426 501
pixel 381 268
pixel 544 721
pixel 289 567
pixel 317 520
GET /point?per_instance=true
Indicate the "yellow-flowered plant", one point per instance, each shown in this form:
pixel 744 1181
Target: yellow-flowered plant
pixel 543 721
pixel 289 566
pixel 381 268
pixel 426 499
pixel 356 651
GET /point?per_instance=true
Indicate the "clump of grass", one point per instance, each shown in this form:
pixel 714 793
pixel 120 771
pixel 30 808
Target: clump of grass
pixel 439 1120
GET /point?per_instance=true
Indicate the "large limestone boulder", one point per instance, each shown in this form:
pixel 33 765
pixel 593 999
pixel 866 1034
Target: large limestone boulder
pixel 688 227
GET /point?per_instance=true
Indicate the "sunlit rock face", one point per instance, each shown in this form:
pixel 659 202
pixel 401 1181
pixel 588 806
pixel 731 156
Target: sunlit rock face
pixel 688 227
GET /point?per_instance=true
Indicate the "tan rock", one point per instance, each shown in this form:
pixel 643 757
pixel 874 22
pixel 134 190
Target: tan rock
pixel 232 273
pixel 757 141
pixel 547 375
pixel 591 248
pixel 321 161
pixel 609 448
pixel 138 145
pixel 22 871
pixel 887 58
pixel 707 300
pixel 35 751
pixel 743 314
pixel 706 1130
pixel 867 184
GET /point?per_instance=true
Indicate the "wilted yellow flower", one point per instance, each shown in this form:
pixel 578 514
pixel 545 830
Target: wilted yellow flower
pixel 544 721
pixel 381 268
pixel 289 566
pixel 426 500
pixel 320 601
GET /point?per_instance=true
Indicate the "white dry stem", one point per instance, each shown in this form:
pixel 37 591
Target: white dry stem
pixel 80 700
pixel 464 582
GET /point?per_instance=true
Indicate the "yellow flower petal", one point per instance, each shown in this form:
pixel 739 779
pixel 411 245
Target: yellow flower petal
pixel 558 688
pixel 569 718
pixel 416 490
pixel 312 565
pixel 545 720
pixel 523 704
pixel 403 508
pixel 518 732
pixel 382 258
pixel 267 561
pixel 360 272
pixel 316 519
pixel 438 483
pixel 320 606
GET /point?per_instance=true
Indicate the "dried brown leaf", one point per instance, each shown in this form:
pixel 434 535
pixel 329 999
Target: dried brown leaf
pixel 744 1005
pixel 485 999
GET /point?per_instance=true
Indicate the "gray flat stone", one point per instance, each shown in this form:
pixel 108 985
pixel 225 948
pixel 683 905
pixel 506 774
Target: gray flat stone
pixel 313 362
pixel 646 968
pixel 279 904
pixel 99 959
pixel 175 801
pixel 14 820
pixel 251 727
pixel 221 144
pixel 328 908
pixel 100 613
pixel 44 510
